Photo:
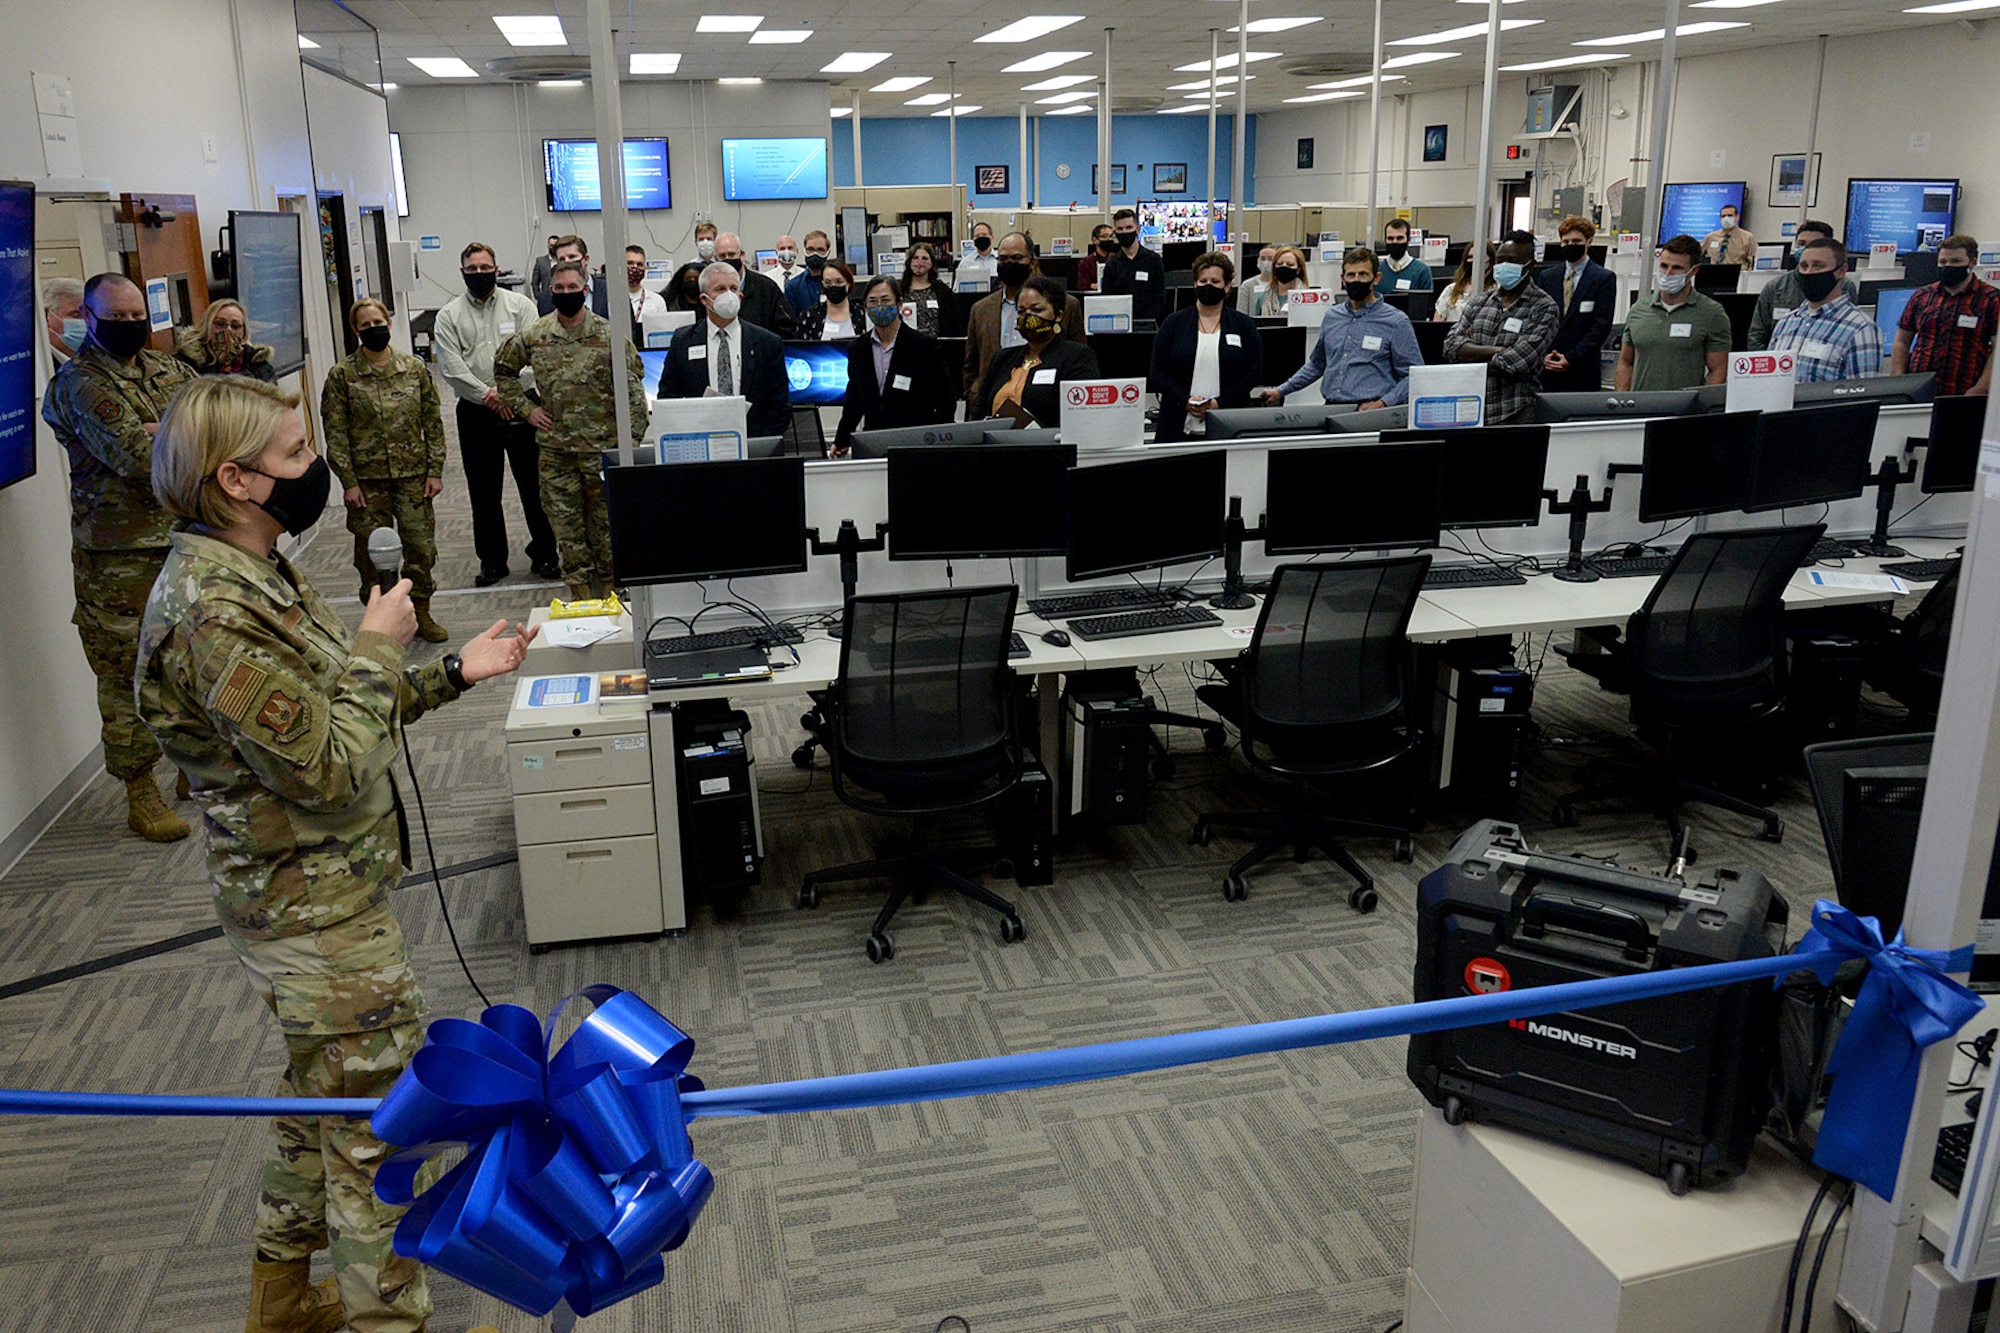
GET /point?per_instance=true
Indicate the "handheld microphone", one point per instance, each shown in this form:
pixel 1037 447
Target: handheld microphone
pixel 385 552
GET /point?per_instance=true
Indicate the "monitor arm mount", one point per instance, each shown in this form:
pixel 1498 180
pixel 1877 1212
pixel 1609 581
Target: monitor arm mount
pixel 1234 533
pixel 1578 509
pixel 1888 476
pixel 849 545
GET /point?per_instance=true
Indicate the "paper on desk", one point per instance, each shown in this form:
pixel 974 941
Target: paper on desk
pixel 579 633
pixel 1833 578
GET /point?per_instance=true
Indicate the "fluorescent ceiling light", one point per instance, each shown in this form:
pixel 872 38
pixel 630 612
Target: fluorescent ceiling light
pixel 1180 110
pixel 1361 82
pixel 307 44
pixel 1278 25
pixel 1227 62
pixel 1568 61
pixel 779 36
pixel 1659 34
pixel 1325 97
pixel 1074 111
pixel 739 81
pixel 1730 4
pixel 1466 33
pixel 1203 97
pixel 444 67
pixel 1059 81
pixel 728 22
pixel 559 83
pixel 1418 58
pixel 1955 7
pixel 1028 29
pixel 1064 99
pixel 531 29
pixel 841 112
pixel 929 99
pixel 902 83
pixel 656 62
pixel 854 62
pixel 1199 85
pixel 1046 60
pixel 956 111
pixel 386 87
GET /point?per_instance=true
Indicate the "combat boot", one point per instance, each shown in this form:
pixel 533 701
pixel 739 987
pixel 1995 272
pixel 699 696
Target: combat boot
pixel 283 1299
pixel 427 629
pixel 181 792
pixel 147 815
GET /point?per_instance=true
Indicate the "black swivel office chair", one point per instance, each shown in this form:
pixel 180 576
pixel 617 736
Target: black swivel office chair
pixel 923 717
pixel 1703 658
pixel 1322 694
pixel 1862 889
pixel 1909 668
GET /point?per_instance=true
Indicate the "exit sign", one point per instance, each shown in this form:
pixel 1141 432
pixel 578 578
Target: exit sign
pixel 1513 152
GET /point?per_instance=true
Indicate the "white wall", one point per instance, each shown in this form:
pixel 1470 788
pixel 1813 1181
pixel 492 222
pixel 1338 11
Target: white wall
pixel 350 157
pixel 472 158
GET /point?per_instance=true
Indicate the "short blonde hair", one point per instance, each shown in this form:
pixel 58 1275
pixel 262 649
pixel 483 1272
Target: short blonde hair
pixel 354 312
pixel 215 308
pixel 1216 259
pixel 211 421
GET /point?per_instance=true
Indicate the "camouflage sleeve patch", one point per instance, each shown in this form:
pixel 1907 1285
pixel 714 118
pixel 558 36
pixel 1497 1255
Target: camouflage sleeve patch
pixel 240 689
pixel 268 707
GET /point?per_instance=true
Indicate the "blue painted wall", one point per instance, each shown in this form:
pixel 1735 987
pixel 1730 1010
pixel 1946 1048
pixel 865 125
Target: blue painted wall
pixel 917 151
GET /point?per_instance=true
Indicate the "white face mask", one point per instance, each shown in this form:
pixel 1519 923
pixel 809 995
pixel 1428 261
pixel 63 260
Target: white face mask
pixel 705 248
pixel 787 257
pixel 1264 267
pixel 727 305
pixel 1672 284
pixel 1728 223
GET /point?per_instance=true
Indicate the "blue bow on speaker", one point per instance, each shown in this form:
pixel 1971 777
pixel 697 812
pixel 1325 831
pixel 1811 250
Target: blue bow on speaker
pixel 1906 1004
pixel 579 1173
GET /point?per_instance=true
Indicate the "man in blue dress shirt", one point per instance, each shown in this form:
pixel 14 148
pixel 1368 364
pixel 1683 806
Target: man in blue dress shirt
pixel 1366 346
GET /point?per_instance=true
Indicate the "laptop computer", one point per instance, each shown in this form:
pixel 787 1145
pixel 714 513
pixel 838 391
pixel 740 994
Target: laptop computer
pixel 671 671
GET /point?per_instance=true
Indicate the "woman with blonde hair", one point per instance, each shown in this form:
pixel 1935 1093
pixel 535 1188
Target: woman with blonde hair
pixel 220 344
pixel 286 726
pixel 1288 277
pixel 1452 300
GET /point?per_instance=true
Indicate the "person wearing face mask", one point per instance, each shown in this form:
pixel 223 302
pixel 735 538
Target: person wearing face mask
pixel 104 406
pixel 1781 296
pixel 790 262
pixel 993 324
pixel 1025 381
pixel 1288 279
pixel 802 289
pixel 1831 336
pixel 1402 271
pixel 1090 263
pixel 724 354
pixel 704 242
pixel 834 318
pixel 62 316
pixel 1206 356
pixel 1947 329
pixel 1134 271
pixel 1365 348
pixel 1677 338
pixel 1250 293
pixel 538 280
pixel 683 290
pixel 933 311
pixel 1585 291
pixel 649 309
pixel 977 270
pixel 1511 329
pixel 573 250
pixel 492 440
pixel 764 301
pixel 385 444
pixel 220 344
pixel 1730 243
pixel 569 353
pixel 288 725
pixel 895 374
pixel 1463 287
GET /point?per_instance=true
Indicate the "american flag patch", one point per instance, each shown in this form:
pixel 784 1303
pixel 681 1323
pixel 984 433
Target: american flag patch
pixel 240 690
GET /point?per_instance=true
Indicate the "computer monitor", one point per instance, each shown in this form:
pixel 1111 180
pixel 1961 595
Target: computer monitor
pixel 1253 423
pixel 1888 390
pixel 655 361
pixel 1060 267
pixel 1604 404
pixel 1493 476
pixel 977 502
pixel 1145 514
pixel 1696 465
pixel 1951 454
pixel 878 443
pixel 1889 305
pixel 1417 305
pixel 1431 334
pixel 692 521
pixel 1694 208
pixel 1123 356
pixel 764 446
pixel 1022 434
pixel 1910 214
pixel 1368 423
pixel 1717 277
pixel 1881 808
pixel 1353 497
pixel 1284 350
pixel 817 372
pixel 1741 307
pixel 1812 455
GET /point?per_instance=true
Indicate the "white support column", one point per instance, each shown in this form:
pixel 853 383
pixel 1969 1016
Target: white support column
pixel 1024 161
pixel 1238 222
pixel 1104 132
pixel 854 115
pixel 1214 51
pixel 1812 135
pixel 611 186
pixel 1656 165
pixel 951 133
pixel 1374 130
pixel 1482 201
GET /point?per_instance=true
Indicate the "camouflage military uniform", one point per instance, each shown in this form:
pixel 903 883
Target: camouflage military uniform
pixel 287 730
pixel 99 408
pixel 573 379
pixel 385 434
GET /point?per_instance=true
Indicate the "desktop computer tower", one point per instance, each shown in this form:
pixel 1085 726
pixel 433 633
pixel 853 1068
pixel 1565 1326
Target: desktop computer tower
pixel 722 834
pixel 1027 824
pixel 1479 730
pixel 1109 743
pixel 1823 690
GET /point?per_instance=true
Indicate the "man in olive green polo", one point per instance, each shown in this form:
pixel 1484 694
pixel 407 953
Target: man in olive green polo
pixel 1676 338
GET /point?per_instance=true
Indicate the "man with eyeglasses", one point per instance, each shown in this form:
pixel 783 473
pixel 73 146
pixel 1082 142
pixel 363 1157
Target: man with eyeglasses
pixel 1948 327
pixel 802 289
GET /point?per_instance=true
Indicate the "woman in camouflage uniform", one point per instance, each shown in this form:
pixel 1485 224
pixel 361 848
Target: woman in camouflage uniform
pixel 286 726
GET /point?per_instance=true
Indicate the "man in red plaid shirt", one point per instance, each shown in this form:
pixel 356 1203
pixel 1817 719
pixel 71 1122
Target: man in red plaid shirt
pixel 1948 327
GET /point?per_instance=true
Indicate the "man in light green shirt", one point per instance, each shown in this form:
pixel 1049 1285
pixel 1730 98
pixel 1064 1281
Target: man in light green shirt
pixel 1677 338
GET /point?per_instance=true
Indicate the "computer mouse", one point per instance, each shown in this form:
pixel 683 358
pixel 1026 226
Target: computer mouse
pixel 1056 638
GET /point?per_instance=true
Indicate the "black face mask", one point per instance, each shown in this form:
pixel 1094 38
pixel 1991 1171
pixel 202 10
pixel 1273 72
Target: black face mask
pixel 1013 272
pixel 1397 249
pixel 480 284
pixel 982 243
pixel 1208 293
pixel 1107 246
pixel 834 295
pixel 1951 277
pixel 1285 272
pixel 1358 292
pixel 690 294
pixel 1818 286
pixel 568 303
pixel 375 337
pixel 121 337
pixel 814 263
pixel 297 502
pixel 1126 239
pixel 1575 254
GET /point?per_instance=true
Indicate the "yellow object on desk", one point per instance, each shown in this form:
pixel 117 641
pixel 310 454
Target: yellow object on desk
pixel 592 606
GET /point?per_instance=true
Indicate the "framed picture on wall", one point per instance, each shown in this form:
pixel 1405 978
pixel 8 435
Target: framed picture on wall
pixel 1170 178
pixel 1305 154
pixel 1117 178
pixel 1789 183
pixel 1436 137
pixel 989 180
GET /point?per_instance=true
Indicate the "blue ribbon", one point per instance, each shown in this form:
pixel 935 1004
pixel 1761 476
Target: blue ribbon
pixel 579 1175
pixel 1906 1004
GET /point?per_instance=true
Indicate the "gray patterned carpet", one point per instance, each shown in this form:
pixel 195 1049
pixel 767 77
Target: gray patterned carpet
pixel 1267 1193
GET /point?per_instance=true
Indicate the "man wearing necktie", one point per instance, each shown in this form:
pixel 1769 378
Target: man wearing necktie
pixel 1587 292
pixel 723 354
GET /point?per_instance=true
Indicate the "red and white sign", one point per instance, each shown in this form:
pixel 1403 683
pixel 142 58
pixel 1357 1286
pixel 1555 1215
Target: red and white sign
pixel 1103 414
pixel 1487 976
pixel 1308 306
pixel 1761 381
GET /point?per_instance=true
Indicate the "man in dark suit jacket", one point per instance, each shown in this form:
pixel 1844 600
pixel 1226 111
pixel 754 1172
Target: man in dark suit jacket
pixel 1135 271
pixel 571 249
pixel 764 302
pixel 911 390
pixel 990 326
pixel 755 357
pixel 1586 292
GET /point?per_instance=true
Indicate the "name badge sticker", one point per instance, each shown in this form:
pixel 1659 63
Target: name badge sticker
pixel 1232 340
pixel 1512 325
pixel 1585 307
pixel 1680 331
pixel 1046 375
pixel 1968 321
pixel 1402 284
pixel 697 351
pixel 1142 276
pixel 506 327
pixel 901 382
pixel 1371 343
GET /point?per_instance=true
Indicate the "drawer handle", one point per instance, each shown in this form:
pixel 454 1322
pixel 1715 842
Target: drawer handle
pixel 581 752
pixel 593 803
pixel 588 854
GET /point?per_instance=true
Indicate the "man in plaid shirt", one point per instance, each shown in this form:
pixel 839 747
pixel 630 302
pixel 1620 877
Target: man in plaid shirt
pixel 1948 327
pixel 1832 337
pixel 1512 329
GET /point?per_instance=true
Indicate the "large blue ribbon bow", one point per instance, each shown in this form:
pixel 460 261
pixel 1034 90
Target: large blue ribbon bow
pixel 579 1174
pixel 1906 1004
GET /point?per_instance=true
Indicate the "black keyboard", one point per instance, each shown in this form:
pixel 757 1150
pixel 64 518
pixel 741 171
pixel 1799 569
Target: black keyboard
pixel 742 636
pixel 1471 576
pixel 1954 1146
pixel 1090 603
pixel 1630 566
pixel 1158 620
pixel 1924 571
pixel 1828 549
pixel 1016 645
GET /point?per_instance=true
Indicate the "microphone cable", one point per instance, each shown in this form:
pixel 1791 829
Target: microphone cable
pixel 437 879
